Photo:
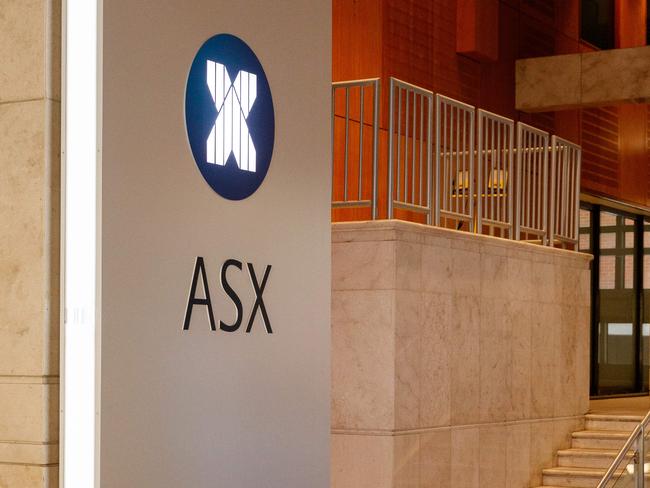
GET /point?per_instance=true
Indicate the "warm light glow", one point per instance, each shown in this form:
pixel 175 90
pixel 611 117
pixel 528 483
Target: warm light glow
pixel 233 102
pixel 80 231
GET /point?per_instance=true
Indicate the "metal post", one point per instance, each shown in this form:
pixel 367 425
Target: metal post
pixel 430 162
pixel 639 469
pixel 347 136
pixel 436 196
pixel 553 190
pixel 471 188
pixel 332 140
pixel 375 146
pixel 479 174
pixel 518 185
pixel 390 150
pixel 359 194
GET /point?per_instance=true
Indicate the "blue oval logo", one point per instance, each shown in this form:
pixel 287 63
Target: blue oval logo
pixel 229 117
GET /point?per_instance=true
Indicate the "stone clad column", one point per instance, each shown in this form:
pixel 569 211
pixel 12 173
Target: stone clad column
pixel 30 35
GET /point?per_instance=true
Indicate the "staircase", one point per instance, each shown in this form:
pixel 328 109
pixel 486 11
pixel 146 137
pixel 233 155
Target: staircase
pixel 592 451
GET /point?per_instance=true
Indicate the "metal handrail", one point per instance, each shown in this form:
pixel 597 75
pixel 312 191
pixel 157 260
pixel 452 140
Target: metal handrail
pixel 636 436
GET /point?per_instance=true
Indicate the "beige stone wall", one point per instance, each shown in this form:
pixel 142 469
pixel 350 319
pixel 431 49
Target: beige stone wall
pixel 457 360
pixel 30 34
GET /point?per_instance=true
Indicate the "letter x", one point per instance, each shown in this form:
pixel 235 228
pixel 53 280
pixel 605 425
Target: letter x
pixel 259 301
pixel 233 101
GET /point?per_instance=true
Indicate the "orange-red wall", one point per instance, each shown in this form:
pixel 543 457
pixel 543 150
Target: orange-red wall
pixel 417 41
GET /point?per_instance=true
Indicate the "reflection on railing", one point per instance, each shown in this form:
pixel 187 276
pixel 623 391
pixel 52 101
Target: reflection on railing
pixel 490 175
pixel 359 194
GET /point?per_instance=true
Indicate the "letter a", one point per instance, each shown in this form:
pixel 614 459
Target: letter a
pixel 199 268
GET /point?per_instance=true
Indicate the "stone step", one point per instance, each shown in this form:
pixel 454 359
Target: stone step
pixel 587 458
pixel 572 477
pixel 623 423
pixel 599 439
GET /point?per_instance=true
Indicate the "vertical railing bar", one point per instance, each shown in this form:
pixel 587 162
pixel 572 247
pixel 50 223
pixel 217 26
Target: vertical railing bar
pixel 470 184
pixel 510 185
pixel 491 172
pixel 421 145
pixel 332 138
pixel 360 143
pixel 528 178
pixel 538 192
pixel 406 147
pixel 413 158
pixel 569 176
pixel 554 224
pixel 572 193
pixel 399 141
pixel 375 147
pixel 565 190
pixel 517 216
pixel 540 195
pixel 450 152
pixel 534 181
pixel 569 208
pixel 443 179
pixel 639 471
pixel 577 193
pixel 437 196
pixel 558 195
pixel 429 147
pixel 479 171
pixel 456 164
pixel 565 202
pixel 545 188
pixel 391 156
pixel 347 130
pixel 497 196
pixel 443 182
pixel 461 162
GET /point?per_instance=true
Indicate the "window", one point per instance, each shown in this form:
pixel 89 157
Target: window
pixel 597 23
pixel 620 243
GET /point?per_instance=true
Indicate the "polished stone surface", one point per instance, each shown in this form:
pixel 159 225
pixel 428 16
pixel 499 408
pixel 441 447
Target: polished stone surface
pixel 469 352
pixel 584 79
pixel 30 49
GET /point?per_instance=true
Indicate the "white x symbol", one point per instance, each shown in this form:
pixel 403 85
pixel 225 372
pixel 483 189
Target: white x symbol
pixel 233 102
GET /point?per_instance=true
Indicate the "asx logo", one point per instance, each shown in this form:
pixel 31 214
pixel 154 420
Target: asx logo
pixel 233 101
pixel 229 117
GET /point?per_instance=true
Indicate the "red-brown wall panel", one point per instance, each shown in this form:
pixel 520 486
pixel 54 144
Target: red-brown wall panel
pixel 417 41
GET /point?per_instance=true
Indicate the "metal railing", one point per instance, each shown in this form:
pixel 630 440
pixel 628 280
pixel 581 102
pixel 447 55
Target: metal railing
pixel 410 149
pixel 495 153
pixel 624 472
pixel 357 90
pixel 532 183
pixel 488 173
pixel 565 176
pixel 454 174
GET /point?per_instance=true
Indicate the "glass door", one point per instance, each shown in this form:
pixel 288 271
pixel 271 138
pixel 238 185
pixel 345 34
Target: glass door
pixel 620 244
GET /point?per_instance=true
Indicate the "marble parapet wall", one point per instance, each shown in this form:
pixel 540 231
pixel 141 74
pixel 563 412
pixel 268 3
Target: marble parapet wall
pixel 457 359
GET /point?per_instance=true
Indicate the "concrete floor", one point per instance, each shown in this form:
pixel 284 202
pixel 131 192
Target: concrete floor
pixel 621 406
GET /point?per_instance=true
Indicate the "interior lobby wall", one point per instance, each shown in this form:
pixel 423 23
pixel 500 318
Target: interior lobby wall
pixel 418 42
